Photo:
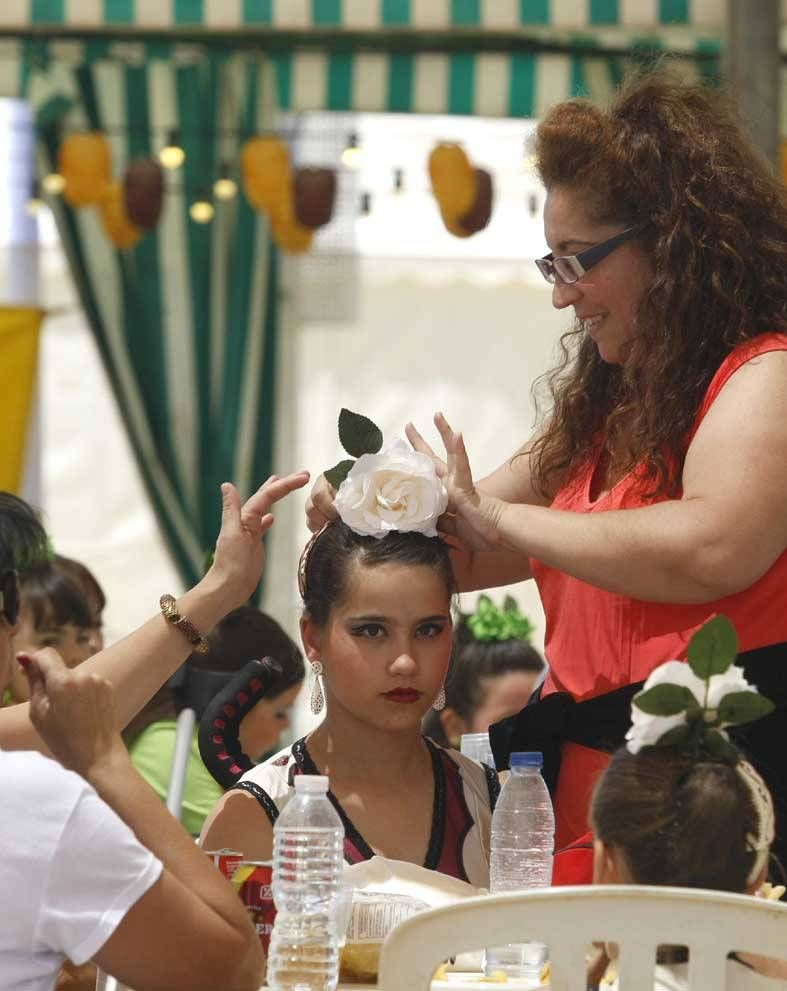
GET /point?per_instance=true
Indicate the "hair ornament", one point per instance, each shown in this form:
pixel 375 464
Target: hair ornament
pixel 304 558
pixel 491 623
pixel 689 705
pixel 760 844
pixel 384 487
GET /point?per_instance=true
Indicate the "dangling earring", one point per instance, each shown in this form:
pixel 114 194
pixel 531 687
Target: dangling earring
pixel 439 703
pixel 317 700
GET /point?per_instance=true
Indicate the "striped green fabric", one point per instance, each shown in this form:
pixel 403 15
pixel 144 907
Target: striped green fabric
pixel 186 321
pixel 490 84
pixel 370 15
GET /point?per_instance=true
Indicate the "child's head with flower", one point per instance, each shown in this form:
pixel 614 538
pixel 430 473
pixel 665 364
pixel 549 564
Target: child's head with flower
pixel 678 805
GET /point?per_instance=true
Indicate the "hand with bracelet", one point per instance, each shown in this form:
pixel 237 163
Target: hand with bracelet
pixel 138 665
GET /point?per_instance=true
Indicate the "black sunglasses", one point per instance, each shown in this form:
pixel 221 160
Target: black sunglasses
pixel 9 595
pixel 571 268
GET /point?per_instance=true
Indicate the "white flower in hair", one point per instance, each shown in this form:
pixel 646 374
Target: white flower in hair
pixel 648 728
pixel 395 489
pixel 688 704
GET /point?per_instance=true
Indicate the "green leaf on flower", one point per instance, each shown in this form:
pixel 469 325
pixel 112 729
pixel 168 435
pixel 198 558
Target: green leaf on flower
pixel 676 737
pixel 665 700
pixel 713 648
pixel 338 473
pixel 743 707
pixel 358 435
pixel 718 746
pixel 510 604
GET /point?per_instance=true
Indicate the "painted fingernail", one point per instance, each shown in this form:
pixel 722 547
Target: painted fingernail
pixel 24 660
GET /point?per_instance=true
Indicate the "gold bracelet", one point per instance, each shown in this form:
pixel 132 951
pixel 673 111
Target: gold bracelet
pixel 170 612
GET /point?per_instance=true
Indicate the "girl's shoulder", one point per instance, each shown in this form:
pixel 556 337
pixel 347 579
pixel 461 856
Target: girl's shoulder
pixel 479 779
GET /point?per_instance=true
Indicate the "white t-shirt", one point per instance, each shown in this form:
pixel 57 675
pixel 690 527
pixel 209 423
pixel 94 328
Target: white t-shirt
pixel 70 869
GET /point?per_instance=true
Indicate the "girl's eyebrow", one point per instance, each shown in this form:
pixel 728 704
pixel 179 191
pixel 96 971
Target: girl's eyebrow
pixel 438 617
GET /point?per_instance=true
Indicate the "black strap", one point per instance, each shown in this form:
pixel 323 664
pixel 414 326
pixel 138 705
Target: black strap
pixel 600 723
pixel 219 728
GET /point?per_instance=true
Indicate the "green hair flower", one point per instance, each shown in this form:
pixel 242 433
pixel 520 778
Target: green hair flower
pixel 490 623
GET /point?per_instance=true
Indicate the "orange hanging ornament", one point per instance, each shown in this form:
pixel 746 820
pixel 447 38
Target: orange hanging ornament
pixel 119 229
pixel 84 161
pixel 453 179
pixel 265 170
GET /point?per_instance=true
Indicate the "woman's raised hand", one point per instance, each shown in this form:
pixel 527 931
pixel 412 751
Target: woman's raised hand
pixel 240 554
pixel 319 506
pixel 420 445
pixel 472 516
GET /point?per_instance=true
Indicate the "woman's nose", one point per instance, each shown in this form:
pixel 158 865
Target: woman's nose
pixel 565 293
pixel 403 663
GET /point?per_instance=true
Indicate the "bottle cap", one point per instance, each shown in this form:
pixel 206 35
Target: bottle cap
pixel 525 758
pixel 311 784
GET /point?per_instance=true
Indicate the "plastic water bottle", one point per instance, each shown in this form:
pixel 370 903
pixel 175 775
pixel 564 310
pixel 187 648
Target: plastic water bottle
pixel 523 839
pixel 477 746
pixel 308 857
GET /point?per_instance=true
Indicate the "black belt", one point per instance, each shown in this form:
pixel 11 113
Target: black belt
pixel 601 723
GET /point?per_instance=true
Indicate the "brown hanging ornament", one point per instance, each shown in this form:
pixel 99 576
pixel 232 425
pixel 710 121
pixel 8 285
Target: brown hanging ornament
pixel 143 192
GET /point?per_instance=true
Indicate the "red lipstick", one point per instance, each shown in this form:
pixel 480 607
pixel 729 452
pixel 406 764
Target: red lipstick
pixel 404 696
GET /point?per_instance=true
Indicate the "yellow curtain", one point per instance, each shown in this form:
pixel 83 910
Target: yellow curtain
pixel 19 330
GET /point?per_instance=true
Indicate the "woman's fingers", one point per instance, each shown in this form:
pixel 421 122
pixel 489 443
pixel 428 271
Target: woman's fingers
pixel 268 494
pixel 418 443
pixel 319 506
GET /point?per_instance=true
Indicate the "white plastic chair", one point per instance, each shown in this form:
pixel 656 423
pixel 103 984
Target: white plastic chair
pixel 637 918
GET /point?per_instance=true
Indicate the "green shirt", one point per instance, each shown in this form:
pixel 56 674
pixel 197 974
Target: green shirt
pixel 151 754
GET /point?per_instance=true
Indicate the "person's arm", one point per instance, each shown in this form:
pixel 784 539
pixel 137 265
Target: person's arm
pixel 724 533
pixel 237 822
pixel 189 930
pixel 138 665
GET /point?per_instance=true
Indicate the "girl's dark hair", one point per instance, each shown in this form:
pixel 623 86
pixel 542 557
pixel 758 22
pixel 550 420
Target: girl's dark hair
pixel 676 159
pixel 23 540
pixel 473 661
pixel 53 598
pixel 338 547
pixel 244 634
pixel 86 580
pixel 675 820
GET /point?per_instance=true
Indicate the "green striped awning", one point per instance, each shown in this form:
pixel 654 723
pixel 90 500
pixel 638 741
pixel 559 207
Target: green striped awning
pixel 491 84
pixel 366 15
pixel 484 57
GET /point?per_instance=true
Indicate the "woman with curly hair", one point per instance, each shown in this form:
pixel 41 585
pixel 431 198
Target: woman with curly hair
pixel 654 494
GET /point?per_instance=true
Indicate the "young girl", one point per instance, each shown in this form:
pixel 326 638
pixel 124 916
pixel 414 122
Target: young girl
pixel 54 613
pixel 494 670
pixel 692 815
pixel 376 628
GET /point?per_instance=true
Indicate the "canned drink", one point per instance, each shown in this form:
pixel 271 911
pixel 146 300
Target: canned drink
pixel 252 881
pixel 227 861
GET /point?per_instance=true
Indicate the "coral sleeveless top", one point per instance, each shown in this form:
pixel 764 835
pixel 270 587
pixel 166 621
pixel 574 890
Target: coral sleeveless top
pixel 597 641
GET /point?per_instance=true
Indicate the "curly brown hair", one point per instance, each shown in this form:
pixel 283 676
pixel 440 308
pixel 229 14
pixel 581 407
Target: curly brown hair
pixel 676 159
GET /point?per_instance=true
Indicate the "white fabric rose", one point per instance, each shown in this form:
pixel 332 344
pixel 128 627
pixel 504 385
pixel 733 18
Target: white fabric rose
pixel 647 730
pixel 395 489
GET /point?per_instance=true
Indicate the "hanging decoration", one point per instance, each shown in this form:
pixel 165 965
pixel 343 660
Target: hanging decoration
pixel 84 162
pixel 297 201
pixel 290 235
pixel 314 195
pixel 463 193
pixel 265 167
pixel 119 229
pixel 143 192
